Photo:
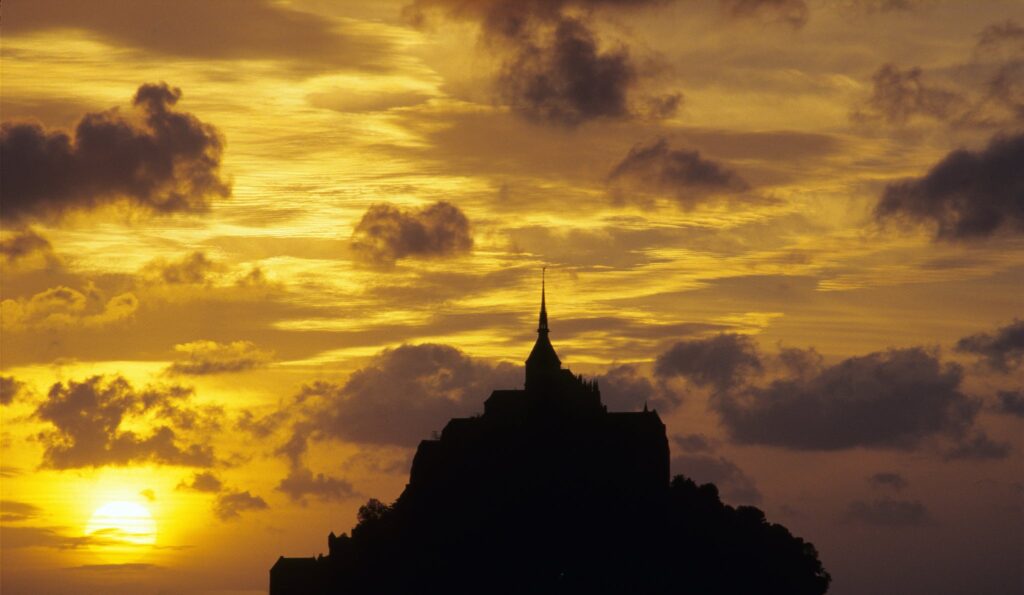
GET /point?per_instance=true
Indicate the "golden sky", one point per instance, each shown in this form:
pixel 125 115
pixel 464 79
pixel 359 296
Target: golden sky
pixel 253 252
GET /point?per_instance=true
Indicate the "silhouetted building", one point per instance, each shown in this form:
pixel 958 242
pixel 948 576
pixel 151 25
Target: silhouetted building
pixel 545 492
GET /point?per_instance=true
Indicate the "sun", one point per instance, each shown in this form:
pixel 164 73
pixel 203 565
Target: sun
pixel 122 523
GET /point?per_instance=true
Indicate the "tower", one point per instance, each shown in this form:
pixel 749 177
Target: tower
pixel 542 365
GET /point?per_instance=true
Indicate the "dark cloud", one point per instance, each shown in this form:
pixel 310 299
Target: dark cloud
pixel 387 233
pixel 10 388
pixel 260 426
pixel 203 481
pixel 691 443
pixel 624 388
pixel 1003 44
pixel 721 361
pixel 168 162
pixel 734 485
pixel 197 29
pixel 891 399
pixel 657 168
pixel 12 511
pixel 978 447
pixel 192 269
pixel 986 91
pixel 887 512
pixel 791 12
pixel 888 479
pixel 231 504
pixel 400 397
pixel 968 195
pixel 24 243
pixel 1002 350
pixel 1011 402
pixel 1006 32
pixel 569 80
pixel 555 70
pixel 301 482
pixel 87 420
pixel 211 357
pixel 899 95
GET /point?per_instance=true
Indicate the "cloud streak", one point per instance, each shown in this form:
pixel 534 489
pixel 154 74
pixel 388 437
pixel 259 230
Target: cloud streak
pixel 211 357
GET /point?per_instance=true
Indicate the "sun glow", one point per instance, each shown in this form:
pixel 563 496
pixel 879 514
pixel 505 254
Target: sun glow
pixel 122 523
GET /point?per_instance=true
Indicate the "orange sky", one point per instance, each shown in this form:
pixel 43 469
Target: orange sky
pixel 793 226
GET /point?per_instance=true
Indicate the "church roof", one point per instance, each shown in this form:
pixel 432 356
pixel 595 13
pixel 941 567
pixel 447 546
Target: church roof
pixel 543 355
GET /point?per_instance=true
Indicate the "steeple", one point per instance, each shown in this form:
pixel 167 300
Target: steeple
pixel 543 361
pixel 542 327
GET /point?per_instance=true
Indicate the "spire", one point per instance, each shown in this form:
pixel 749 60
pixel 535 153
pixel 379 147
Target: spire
pixel 542 327
pixel 543 361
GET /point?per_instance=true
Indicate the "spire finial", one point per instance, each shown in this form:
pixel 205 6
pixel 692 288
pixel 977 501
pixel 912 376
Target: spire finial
pixel 543 326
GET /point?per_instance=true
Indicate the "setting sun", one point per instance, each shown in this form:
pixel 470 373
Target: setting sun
pixel 122 523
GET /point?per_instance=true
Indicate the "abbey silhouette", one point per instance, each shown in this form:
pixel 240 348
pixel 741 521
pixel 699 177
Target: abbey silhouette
pixel 549 492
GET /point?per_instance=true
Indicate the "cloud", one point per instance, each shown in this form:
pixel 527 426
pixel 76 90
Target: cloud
pixel 230 505
pixel 888 479
pixel 87 419
pixel 657 168
pixel 24 243
pixel 10 389
pixel 721 361
pixel 898 96
pixel 1002 350
pixel 52 537
pixel 969 195
pixel 872 6
pixel 888 512
pixel 401 396
pixel 978 447
pixel 210 357
pixel 985 92
pixel 117 567
pixel 63 307
pixel 794 13
pixel 1011 402
pixel 169 162
pixel 624 388
pixel 12 511
pixel 222 30
pixel 691 443
pixel 554 69
pixel 1003 45
pixel 891 399
pixel 568 80
pixel 301 482
pixel 387 233
pixel 202 481
pixel 734 485
pixel 192 269
pixel 148 494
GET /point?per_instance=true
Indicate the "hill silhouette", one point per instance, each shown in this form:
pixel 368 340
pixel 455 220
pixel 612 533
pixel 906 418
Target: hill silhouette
pixel 548 492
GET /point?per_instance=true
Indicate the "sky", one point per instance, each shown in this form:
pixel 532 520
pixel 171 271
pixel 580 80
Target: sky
pixel 253 252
